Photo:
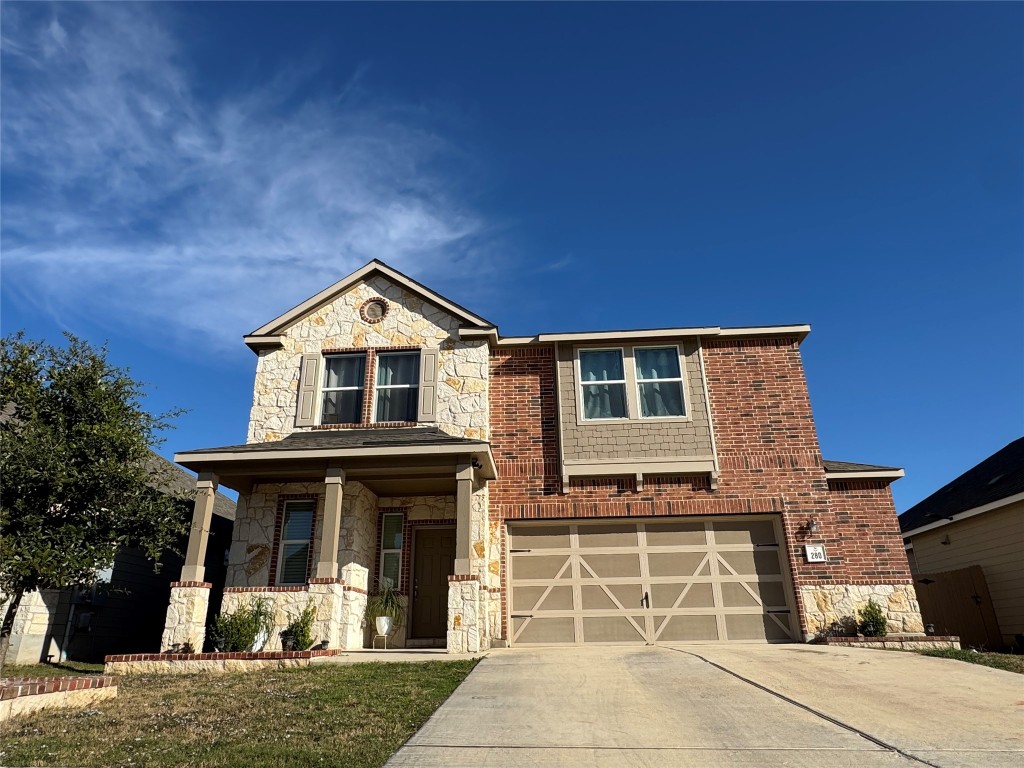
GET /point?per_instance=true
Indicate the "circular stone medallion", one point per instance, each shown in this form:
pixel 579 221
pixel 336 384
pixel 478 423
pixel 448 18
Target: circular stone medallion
pixel 374 310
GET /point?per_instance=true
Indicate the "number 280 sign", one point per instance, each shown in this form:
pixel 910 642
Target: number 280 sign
pixel 815 553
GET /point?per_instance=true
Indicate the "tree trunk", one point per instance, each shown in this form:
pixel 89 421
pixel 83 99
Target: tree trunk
pixel 8 626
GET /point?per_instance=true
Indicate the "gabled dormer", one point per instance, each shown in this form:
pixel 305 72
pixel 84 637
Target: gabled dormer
pixel 376 349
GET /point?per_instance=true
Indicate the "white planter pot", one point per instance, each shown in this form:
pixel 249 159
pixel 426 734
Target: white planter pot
pixel 261 640
pixel 383 625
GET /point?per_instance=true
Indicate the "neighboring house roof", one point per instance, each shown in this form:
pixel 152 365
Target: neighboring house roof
pixel 993 483
pixel 267 333
pixel 177 479
pixel 849 470
pixel 331 439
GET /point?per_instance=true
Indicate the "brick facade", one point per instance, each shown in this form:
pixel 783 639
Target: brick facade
pixel 767 451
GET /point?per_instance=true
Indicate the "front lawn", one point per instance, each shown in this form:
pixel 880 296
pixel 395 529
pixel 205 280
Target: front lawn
pixel 1009 662
pixel 349 715
pixel 57 669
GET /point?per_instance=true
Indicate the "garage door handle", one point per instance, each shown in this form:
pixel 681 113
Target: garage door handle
pixel 522 615
pixel 773 546
pixel 517 551
pixel 645 601
pixel 781 610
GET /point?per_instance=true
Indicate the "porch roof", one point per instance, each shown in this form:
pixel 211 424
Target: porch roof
pixel 406 459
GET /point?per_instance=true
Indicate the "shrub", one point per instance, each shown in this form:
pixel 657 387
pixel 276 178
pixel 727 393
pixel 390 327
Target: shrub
pixel 239 631
pixel 872 621
pixel 299 632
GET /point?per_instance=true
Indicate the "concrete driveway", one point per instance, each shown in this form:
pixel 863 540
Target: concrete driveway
pixel 717 705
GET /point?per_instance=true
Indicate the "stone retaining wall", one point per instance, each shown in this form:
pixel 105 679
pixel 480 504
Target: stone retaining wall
pixel 191 663
pixel 895 642
pixel 21 695
pixel 825 607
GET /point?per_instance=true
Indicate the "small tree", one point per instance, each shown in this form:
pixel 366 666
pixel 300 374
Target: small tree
pixel 77 482
pixel 872 621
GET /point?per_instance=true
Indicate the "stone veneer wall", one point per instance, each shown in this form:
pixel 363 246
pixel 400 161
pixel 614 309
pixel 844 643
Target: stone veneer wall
pixel 825 606
pixel 39 626
pixel 253 536
pixel 634 438
pixel 186 616
pixel 462 404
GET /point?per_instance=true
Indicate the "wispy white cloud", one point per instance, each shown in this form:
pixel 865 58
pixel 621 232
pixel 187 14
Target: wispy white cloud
pixel 129 197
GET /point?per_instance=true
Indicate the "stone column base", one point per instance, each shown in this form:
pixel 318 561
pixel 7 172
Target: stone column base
pixel 467 615
pixel 826 607
pixel 185 625
pixel 328 596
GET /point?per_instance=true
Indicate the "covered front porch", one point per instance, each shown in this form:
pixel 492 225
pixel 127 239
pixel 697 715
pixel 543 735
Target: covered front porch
pixel 324 516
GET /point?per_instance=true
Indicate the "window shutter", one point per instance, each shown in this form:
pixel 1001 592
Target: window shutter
pixel 427 411
pixel 305 415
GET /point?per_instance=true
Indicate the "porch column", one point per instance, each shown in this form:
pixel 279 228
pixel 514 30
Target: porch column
pixel 463 515
pixel 202 516
pixel 327 561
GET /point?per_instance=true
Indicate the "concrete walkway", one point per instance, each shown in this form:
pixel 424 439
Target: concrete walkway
pixel 717 705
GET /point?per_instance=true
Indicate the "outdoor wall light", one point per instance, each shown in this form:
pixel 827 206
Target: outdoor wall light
pixel 812 526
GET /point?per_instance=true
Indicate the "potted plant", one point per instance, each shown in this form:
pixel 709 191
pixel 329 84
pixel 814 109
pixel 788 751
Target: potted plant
pixel 298 635
pixel 384 608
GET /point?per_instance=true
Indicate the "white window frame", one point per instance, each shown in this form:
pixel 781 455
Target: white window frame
pixel 324 389
pixel 682 383
pixel 581 383
pixel 281 543
pixel 632 385
pixel 385 551
pixel 376 386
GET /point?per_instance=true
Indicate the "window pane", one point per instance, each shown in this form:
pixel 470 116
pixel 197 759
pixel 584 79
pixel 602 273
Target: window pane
pixel 602 365
pixel 398 369
pixel 391 536
pixel 397 404
pixel 298 520
pixel 604 401
pixel 664 398
pixel 342 407
pixel 657 363
pixel 345 371
pixel 390 567
pixel 293 566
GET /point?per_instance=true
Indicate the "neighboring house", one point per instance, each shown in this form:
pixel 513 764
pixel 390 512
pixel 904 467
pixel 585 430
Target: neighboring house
pixel 126 611
pixel 966 548
pixel 655 486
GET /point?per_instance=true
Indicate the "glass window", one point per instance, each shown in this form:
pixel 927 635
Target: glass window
pixel 604 384
pixel 391 524
pixel 296 531
pixel 397 387
pixel 659 382
pixel 344 380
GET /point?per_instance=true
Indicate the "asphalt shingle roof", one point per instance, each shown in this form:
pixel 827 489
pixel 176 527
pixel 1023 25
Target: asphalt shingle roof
pixel 850 466
pixel 997 477
pixel 328 439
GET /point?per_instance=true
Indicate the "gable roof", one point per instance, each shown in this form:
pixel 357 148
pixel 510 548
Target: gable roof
pixel 293 315
pixel 174 478
pixel 997 478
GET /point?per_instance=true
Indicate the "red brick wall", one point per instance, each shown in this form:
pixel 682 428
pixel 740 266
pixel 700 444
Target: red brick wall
pixel 873 550
pixel 767 447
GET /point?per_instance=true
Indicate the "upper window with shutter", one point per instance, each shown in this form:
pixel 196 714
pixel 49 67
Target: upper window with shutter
pixel 378 386
pixel 343 388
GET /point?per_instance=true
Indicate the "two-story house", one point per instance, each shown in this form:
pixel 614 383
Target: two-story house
pixel 655 486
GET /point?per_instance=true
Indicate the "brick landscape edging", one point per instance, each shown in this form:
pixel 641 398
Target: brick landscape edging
pixel 221 656
pixel 899 642
pixel 189 663
pixel 22 695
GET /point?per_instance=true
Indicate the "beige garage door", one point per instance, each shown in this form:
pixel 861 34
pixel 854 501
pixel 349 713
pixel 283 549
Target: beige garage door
pixel 659 581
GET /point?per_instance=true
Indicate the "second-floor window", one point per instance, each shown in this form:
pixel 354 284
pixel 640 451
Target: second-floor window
pixel 603 378
pixel 659 382
pixel 343 388
pixel 397 386
pixel 394 390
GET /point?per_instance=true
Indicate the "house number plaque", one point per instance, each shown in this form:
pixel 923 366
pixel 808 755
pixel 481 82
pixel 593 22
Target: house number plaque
pixel 815 553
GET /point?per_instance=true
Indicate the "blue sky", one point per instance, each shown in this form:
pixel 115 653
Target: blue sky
pixel 175 175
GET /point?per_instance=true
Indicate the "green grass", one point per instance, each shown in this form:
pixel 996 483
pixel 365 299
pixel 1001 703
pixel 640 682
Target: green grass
pixel 52 670
pixel 352 715
pixel 1009 662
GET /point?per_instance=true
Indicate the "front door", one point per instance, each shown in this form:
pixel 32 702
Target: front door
pixel 433 562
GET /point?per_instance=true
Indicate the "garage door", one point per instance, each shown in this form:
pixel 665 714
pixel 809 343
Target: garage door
pixel 659 581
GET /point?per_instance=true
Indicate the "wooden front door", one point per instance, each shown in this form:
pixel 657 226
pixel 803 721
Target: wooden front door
pixel 433 563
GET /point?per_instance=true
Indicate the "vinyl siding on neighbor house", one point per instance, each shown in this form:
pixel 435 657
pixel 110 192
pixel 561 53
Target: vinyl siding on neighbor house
pixel 995 541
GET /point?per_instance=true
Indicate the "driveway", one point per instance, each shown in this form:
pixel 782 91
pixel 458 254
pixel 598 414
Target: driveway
pixel 717 705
